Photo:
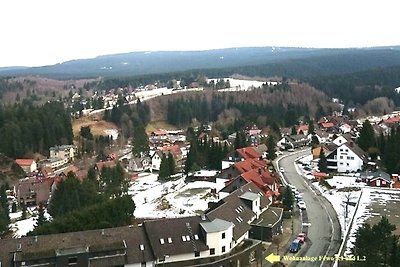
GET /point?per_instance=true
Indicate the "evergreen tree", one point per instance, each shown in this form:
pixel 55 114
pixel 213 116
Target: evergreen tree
pixel 271 148
pixel 367 136
pixel 41 217
pixel 293 132
pixel 24 210
pixel 171 164
pixel 322 163
pixel 377 244
pixel 4 203
pixel 287 198
pixel 140 141
pixel 191 157
pixel 3 221
pixel 164 168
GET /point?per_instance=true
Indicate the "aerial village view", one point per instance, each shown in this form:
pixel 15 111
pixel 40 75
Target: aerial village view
pixel 238 154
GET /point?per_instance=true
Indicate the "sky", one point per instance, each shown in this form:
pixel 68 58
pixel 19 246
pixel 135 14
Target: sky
pixel 45 32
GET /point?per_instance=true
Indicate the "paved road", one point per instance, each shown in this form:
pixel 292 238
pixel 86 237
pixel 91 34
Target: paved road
pixel 324 229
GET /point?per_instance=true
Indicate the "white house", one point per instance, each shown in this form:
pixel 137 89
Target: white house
pixel 64 152
pixel 218 236
pixel 347 157
pixel 28 165
pixel 156 157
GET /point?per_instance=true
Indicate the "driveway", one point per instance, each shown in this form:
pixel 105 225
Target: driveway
pixel 319 219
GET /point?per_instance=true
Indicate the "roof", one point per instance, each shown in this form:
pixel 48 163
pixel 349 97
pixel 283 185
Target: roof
pixel 175 236
pixel 24 162
pixel 376 175
pixel 327 124
pixel 261 148
pixel 217 225
pixel 248 153
pixel 249 164
pixel 95 240
pixel 233 209
pixel 39 186
pixel 250 196
pixel 357 150
pixel 108 164
pixel 269 217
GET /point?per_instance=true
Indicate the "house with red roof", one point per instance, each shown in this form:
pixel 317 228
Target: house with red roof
pixel 28 165
pixel 248 153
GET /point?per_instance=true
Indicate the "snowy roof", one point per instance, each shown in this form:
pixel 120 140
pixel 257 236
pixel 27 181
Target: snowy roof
pixel 250 196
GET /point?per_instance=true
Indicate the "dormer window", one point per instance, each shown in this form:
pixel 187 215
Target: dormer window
pixel 169 240
pixel 162 242
pixel 196 237
pixel 141 247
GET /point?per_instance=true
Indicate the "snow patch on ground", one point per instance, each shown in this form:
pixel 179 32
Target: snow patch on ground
pixel 176 198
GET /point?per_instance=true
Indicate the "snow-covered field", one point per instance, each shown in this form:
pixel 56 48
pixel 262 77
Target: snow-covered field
pixel 154 199
pixel 367 204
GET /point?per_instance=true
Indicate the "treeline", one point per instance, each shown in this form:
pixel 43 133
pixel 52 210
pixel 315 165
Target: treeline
pixel 204 109
pixel 361 87
pixel 99 201
pixel 206 154
pixel 127 117
pixel 8 84
pixel 26 129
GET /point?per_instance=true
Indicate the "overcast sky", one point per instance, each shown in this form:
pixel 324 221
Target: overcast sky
pixel 43 32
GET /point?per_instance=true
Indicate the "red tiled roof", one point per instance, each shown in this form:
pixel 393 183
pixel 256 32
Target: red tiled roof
pixel 327 124
pixel 391 120
pixel 248 153
pixel 260 177
pixel 249 164
pixel 160 132
pixel 174 148
pixel 24 162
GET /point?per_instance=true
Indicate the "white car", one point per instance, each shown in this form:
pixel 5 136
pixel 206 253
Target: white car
pixel 301 205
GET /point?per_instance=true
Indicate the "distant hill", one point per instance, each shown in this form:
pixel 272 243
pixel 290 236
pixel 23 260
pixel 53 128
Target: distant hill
pixel 276 60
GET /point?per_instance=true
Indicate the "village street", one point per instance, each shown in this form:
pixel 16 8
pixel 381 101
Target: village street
pixel 319 219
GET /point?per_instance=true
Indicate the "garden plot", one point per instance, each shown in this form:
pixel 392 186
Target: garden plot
pixel 154 199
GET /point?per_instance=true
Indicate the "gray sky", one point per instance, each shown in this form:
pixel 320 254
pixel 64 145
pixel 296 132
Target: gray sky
pixel 44 32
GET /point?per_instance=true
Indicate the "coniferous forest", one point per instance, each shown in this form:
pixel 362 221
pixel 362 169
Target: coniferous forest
pixel 26 129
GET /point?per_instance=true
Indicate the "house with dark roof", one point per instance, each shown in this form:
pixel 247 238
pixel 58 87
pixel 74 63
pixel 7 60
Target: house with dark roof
pixel 348 157
pixel 178 239
pixel 33 190
pixel 293 141
pixel 119 246
pixel 377 178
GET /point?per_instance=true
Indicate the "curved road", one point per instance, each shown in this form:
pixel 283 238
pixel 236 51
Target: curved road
pixel 323 226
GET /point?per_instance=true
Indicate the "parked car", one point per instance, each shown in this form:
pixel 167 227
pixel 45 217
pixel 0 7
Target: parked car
pixel 295 246
pixel 301 205
pixel 301 237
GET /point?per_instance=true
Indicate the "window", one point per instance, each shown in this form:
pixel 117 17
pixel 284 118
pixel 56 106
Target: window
pixel 143 264
pixel 197 253
pixel 341 157
pixel 212 251
pixel 223 235
pixel 162 241
pixel 72 260
pixel 169 240
pixel 223 249
pixel 196 237
pixel 141 246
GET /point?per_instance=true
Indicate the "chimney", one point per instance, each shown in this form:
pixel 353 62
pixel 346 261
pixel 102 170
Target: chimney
pixel 203 217
pixel 351 144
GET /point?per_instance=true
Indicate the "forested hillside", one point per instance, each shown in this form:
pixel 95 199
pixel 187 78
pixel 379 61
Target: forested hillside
pixel 361 87
pixel 284 104
pixel 262 61
pixel 26 129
